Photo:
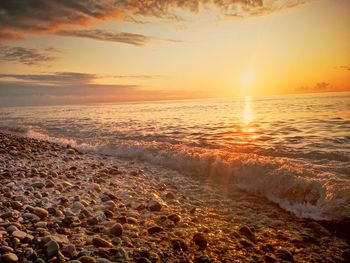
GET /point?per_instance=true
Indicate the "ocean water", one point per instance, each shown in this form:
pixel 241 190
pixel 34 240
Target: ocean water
pixel 294 150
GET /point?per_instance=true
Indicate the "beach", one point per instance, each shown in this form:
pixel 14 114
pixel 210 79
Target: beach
pixel 59 204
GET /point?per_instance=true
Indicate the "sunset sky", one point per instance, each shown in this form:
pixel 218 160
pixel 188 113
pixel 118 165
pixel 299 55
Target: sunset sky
pixel 68 51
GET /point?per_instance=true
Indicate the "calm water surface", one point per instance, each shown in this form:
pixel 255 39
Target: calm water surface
pixel 294 150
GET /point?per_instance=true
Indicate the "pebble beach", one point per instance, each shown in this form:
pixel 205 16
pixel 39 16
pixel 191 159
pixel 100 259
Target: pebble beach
pixel 58 204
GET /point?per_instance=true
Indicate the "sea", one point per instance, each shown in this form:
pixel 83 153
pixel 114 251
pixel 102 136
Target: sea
pixel 293 150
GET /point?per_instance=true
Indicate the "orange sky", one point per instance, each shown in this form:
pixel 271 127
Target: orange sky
pixel 99 52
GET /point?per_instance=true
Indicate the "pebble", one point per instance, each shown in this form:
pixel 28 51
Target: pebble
pixel 154 230
pixel 9 258
pixel 200 240
pixel 179 244
pixel 100 242
pixel 155 206
pixel 175 218
pixel 51 249
pixel 41 212
pixel 285 255
pixel 87 259
pixel 116 229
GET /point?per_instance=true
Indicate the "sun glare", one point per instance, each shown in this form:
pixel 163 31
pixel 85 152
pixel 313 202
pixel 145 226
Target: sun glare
pixel 247 77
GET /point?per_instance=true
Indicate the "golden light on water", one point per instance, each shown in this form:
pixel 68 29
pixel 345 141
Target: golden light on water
pixel 247 112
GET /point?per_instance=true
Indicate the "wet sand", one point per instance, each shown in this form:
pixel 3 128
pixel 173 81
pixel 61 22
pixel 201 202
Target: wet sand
pixel 60 205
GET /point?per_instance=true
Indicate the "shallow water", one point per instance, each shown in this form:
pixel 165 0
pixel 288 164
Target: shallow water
pixel 294 150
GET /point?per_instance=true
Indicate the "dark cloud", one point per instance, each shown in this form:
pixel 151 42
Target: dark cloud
pixel 104 35
pixel 27 56
pixel 320 86
pixel 69 77
pixel 50 16
pixel 344 67
pixel 58 77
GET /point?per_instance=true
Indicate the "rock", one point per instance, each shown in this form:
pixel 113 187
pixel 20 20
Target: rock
pixel 175 218
pixel 22 235
pixel 51 249
pixel 155 205
pixel 5 249
pixel 50 184
pixel 87 259
pixel 121 255
pixel 116 241
pixel 247 232
pixel 39 260
pixel 41 212
pixel 202 259
pixel 154 230
pixel 285 255
pixel 179 244
pixel 99 242
pixel 246 243
pixel 103 260
pixel 269 259
pixel 131 220
pixel 78 206
pixel 116 229
pixel 39 185
pixel 9 258
pixel 200 240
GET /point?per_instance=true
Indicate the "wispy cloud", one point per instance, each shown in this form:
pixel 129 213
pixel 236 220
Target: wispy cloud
pixel 105 35
pixel 70 77
pixel 344 67
pixel 27 56
pixel 42 16
pixel 320 86
pixel 53 78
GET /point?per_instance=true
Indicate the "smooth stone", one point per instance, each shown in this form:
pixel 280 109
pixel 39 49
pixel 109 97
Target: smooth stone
pixel 22 235
pixel 154 230
pixel 9 258
pixel 5 249
pixel 200 240
pixel 155 206
pixel 39 260
pixel 116 229
pixel 87 259
pixel 284 254
pixel 51 249
pixel 175 218
pixel 103 260
pixel 38 185
pixel 100 242
pixel 179 244
pixel 121 254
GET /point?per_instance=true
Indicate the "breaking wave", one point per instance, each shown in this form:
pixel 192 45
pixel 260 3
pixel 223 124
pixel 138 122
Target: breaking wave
pixel 300 187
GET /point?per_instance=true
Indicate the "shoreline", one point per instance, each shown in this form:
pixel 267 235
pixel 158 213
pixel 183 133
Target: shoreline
pixel 60 204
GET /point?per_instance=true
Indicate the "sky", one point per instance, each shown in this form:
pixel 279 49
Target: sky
pixel 75 51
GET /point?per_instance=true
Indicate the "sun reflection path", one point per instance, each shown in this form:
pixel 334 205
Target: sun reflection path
pixel 247 113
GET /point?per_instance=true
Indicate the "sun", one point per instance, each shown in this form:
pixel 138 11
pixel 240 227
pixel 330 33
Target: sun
pixel 247 77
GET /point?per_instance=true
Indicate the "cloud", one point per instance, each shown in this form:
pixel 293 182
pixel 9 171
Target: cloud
pixel 27 56
pixel 318 87
pixel 69 77
pixel 105 35
pixel 344 67
pixel 19 17
pixel 53 78
pixel 75 88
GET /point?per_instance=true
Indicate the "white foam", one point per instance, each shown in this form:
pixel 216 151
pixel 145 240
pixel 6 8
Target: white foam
pixel 296 186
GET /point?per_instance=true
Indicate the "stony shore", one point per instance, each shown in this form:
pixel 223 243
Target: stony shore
pixel 60 205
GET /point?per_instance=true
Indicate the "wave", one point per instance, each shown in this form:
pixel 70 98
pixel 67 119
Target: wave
pixel 297 186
